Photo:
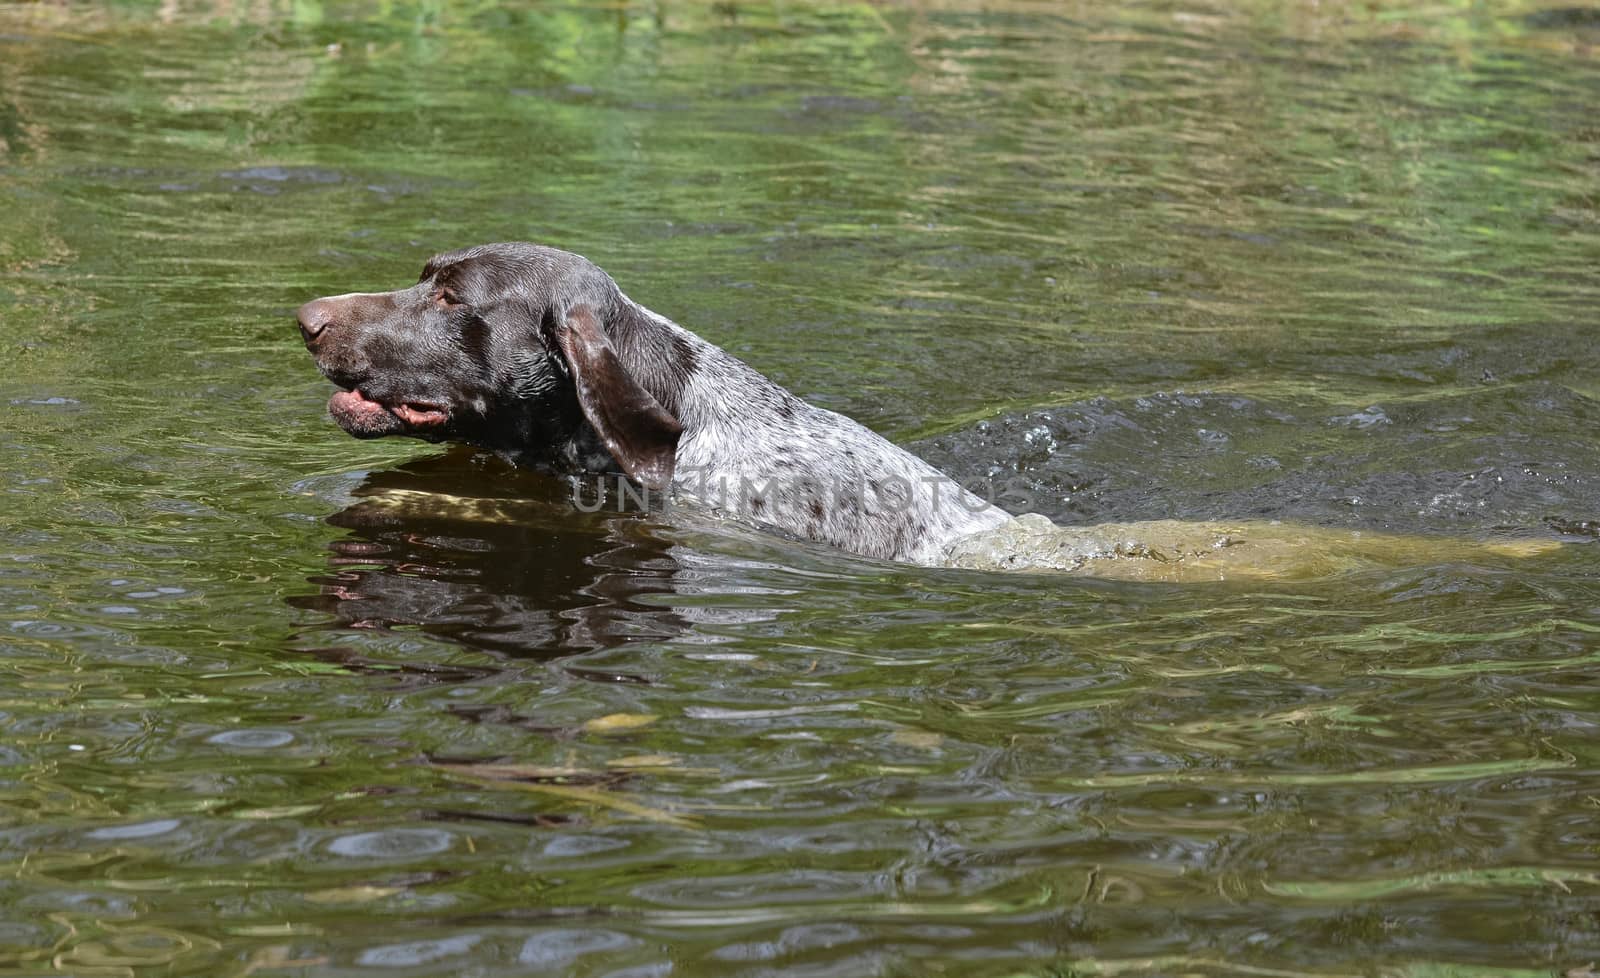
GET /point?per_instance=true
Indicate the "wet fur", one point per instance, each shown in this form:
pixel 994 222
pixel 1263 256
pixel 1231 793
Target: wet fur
pixel 539 356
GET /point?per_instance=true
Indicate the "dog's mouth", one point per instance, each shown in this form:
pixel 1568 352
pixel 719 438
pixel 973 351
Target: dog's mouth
pixel 369 417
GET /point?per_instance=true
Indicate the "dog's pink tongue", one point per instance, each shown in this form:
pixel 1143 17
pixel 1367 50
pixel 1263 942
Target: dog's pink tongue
pixel 352 404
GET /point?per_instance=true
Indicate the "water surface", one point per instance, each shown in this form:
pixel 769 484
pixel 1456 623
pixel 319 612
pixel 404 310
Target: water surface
pixel 281 702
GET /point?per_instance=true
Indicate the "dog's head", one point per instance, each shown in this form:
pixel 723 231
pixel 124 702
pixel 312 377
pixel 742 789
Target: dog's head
pixel 507 346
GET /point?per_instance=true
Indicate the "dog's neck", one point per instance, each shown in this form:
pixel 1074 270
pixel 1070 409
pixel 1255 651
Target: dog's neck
pixel 776 460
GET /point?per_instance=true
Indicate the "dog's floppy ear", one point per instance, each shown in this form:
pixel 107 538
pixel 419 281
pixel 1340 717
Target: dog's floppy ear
pixel 640 434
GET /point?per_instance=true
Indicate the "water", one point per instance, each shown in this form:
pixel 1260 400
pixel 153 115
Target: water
pixel 282 702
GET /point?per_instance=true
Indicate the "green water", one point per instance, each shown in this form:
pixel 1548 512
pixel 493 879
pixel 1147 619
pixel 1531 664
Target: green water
pixel 278 702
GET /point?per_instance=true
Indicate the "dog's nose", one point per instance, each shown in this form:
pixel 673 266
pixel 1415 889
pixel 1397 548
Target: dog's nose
pixel 315 316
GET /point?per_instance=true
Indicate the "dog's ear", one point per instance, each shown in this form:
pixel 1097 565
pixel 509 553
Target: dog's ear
pixel 640 434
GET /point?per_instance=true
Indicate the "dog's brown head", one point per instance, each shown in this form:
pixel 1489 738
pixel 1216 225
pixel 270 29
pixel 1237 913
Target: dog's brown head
pixel 507 346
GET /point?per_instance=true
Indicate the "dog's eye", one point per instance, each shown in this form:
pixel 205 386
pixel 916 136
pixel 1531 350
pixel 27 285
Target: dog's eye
pixel 446 298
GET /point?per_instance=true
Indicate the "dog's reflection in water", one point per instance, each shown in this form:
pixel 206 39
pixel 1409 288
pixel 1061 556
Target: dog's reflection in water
pixel 522 572
pixel 504 561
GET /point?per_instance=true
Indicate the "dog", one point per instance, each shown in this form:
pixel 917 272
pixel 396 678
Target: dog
pixel 535 354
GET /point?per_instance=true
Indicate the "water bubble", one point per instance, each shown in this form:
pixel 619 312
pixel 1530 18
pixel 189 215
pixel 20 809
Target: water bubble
pixel 139 830
pixel 257 738
pixel 392 843
pixel 558 948
pixel 417 952
pixel 581 845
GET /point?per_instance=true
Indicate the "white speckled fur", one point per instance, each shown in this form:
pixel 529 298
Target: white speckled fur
pixel 753 450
